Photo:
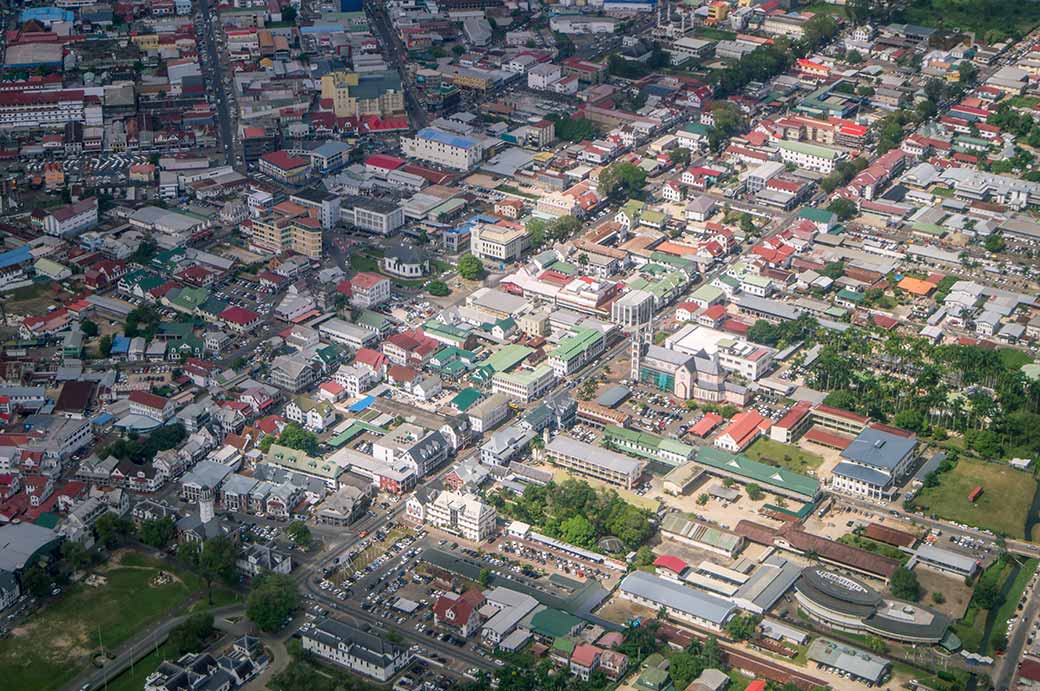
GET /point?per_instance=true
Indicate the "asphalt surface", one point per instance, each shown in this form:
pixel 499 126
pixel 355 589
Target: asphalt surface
pixel 215 75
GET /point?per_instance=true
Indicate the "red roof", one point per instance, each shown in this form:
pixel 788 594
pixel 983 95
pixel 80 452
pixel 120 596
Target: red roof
pixel 797 412
pixel 706 424
pixel 585 655
pixel 756 685
pixel 239 315
pixel 825 438
pixel 366 280
pixel 838 412
pixel 384 161
pixel 150 400
pixel 672 563
pixel 283 160
pixel 744 426
pixel 715 312
pixel 372 359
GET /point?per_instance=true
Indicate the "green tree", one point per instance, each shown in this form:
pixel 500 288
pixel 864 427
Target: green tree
pixel 995 242
pixel 89 328
pixel 75 555
pixel 742 627
pixel 679 157
pixel 192 635
pixel 747 224
pixel 577 530
pixel 157 532
pixel 438 288
pixel 938 598
pixel 622 180
pixel 458 50
pixel 843 208
pixel 296 437
pixel 112 530
pixel 703 499
pixel 470 267
pixel 754 492
pixel 903 584
pixel 853 57
pixel 289 14
pixel 36 581
pixel 212 560
pixel 104 346
pixel 299 533
pixel 484 577
pixel 272 599
pixel 644 556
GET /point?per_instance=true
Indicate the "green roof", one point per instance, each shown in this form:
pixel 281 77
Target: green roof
pixel 189 298
pixel 371 319
pixel 573 346
pixel 508 357
pixel 708 293
pixel 179 330
pixel 687 265
pixel 810 149
pixel 817 215
pixel 446 332
pixel 299 461
pixel 553 623
pixel 466 398
pixel 929 228
pixel 851 295
pixel 645 444
pixel 525 377
pixel 765 475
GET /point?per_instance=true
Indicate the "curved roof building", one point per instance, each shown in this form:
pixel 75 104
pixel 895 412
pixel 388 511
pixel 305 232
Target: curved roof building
pixel 848 604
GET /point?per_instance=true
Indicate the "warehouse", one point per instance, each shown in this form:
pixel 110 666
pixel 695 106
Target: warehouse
pixel 686 604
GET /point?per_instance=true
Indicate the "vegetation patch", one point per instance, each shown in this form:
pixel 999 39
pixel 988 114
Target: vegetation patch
pixel 1006 496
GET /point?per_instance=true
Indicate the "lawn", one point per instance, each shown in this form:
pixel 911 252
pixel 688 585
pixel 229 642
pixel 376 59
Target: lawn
pixel 133 680
pixel 58 641
pixel 783 455
pixel 364 262
pixel 1024 101
pixel 944 192
pixel 1014 359
pixel 738 681
pixel 1005 501
pixel 970 627
pixel 1008 609
pixel 715 34
pixel 826 8
pixel 981 16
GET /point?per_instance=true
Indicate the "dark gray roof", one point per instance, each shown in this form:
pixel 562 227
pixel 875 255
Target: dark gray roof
pixel 863 474
pixel 406 254
pixel 879 449
pixel 362 644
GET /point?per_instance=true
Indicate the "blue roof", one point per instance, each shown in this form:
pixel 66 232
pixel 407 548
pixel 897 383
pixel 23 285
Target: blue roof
pixel 879 449
pixel 45 14
pixel 446 138
pixel 472 221
pixel 362 404
pixel 103 419
pixel 120 344
pixel 16 256
pixel 331 148
pixel 863 474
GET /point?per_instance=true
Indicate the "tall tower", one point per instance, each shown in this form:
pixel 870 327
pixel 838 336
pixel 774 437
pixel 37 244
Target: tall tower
pixel 206 504
pixel 638 341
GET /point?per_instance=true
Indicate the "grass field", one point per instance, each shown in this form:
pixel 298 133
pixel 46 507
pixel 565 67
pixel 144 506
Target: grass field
pixel 1005 501
pixel 1007 610
pixel 1013 358
pixel 826 8
pixel 1024 101
pixel 970 627
pixel 364 262
pixel 58 642
pixel 134 680
pixel 783 455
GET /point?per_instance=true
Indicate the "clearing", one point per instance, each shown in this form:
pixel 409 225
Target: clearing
pixel 1006 497
pixel 58 641
pixel 783 455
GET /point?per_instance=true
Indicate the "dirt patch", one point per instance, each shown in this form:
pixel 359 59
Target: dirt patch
pixel 956 593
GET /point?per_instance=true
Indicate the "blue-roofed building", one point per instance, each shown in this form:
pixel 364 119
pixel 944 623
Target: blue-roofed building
pixel 45 15
pixel 329 157
pixel 457 239
pixel 443 148
pixel 875 464
pixel 120 346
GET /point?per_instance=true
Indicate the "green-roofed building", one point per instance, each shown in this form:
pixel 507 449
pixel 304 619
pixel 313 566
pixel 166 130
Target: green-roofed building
pixel 187 299
pixel 174 331
pixel 575 351
pixel 380 323
pixel 821 217
pixel 649 446
pixel 772 479
pixel 447 334
pixel 707 295
pixel 552 623
pixel 687 266
pixel 849 298
pixel 212 308
pixel 445 356
pixel 466 398
pixel 505 359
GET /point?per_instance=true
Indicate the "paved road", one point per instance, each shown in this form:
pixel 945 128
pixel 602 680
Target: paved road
pixel 209 28
pixel 137 648
pixel 1007 665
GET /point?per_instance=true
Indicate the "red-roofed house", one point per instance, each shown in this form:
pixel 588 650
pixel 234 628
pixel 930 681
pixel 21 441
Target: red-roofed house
pixel 743 429
pixel 104 273
pixel 460 613
pixel 712 317
pixel 283 167
pixel 381 165
pixel 670 563
pixel 239 319
pixel 793 424
pixel 372 360
pixel 410 348
pixel 150 405
pixel 584 660
pixel 369 289
pixel 706 424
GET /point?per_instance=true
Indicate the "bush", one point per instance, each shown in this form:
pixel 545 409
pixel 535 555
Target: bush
pixel 438 288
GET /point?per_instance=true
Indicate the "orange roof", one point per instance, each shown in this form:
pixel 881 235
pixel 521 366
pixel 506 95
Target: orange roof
pixel 916 286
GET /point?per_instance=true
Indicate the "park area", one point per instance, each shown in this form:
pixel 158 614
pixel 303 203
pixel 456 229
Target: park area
pixel 781 455
pixel 115 603
pixel 1002 507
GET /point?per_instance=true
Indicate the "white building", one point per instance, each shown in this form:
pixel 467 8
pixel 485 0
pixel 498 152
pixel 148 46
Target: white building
pixel 443 149
pixel 463 514
pixel 357 650
pixel 542 76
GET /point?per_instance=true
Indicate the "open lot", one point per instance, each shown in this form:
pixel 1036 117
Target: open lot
pixel 58 641
pixel 783 455
pixel 1005 501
